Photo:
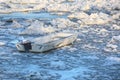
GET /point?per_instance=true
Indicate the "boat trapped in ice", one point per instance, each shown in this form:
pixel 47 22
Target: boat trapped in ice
pixel 46 43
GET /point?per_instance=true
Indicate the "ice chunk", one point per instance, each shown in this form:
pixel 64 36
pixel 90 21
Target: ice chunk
pixel 116 38
pixel 63 23
pixel 94 18
pixel 38 27
pixel 2 43
pixel 72 49
pixel 115 27
pixel 78 15
pixel 111 48
pixel 113 45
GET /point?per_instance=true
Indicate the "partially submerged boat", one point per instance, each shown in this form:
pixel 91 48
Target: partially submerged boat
pixel 47 43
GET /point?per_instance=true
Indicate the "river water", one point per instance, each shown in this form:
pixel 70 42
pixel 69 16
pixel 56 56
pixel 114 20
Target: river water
pixel 84 60
pixel 32 15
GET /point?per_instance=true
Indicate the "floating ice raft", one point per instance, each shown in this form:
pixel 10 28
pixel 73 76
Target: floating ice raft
pixel 47 43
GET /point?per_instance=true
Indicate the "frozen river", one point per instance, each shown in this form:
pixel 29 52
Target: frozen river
pixel 95 55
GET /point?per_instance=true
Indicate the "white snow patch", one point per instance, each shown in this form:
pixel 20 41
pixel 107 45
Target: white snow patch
pixel 89 46
pixel 73 49
pixel 117 38
pixel 111 48
pixel 113 44
pixel 2 43
pixel 78 15
pixel 78 39
pixel 115 27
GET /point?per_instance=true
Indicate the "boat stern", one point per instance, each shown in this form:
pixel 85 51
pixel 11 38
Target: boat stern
pixel 20 47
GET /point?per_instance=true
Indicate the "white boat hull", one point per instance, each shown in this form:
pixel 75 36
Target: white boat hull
pixel 55 41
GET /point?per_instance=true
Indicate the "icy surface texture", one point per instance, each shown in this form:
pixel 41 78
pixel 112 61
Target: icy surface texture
pixel 95 55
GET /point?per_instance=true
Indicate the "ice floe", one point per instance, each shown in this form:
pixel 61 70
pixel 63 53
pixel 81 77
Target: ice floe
pixel 38 27
pixel 94 18
pixel 113 45
pixel 2 43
